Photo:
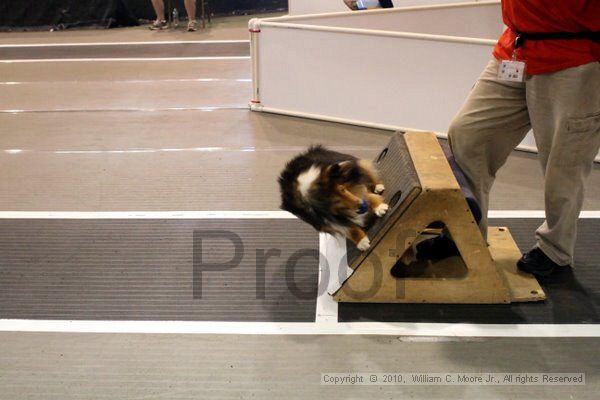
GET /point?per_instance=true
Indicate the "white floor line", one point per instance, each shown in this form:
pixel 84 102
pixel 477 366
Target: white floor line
pixel 170 150
pixel 303 328
pixel 60 60
pixel 128 81
pixel 327 308
pixel 534 214
pixel 145 215
pixel 83 44
pixel 98 110
pixel 224 214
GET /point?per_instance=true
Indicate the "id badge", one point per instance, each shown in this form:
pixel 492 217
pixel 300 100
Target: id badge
pixel 512 70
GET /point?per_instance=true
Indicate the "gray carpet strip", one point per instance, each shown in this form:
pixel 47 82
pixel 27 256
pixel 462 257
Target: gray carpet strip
pixel 150 50
pixel 218 270
pixel 190 270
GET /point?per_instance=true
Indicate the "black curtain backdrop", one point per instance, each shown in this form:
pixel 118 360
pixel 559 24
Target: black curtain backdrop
pixel 18 14
pixel 143 8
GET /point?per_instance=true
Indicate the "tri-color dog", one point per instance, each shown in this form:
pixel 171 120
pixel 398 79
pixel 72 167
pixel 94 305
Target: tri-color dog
pixel 334 192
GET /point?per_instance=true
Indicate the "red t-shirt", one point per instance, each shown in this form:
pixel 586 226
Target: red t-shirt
pixel 544 16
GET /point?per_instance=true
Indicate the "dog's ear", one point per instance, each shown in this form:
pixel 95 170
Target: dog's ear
pixel 335 170
pixel 354 173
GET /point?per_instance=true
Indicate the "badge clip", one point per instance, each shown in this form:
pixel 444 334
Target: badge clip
pixel 513 70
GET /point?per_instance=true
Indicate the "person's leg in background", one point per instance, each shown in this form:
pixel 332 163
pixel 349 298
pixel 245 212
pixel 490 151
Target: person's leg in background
pixel 491 123
pixel 159 9
pixel 565 114
pixel 190 8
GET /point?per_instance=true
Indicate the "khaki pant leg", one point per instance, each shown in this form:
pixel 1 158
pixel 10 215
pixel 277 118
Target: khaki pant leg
pixel 565 115
pixel 491 123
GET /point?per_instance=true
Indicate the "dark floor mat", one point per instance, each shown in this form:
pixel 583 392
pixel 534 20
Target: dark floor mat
pixel 141 269
pixel 150 50
pixel 573 297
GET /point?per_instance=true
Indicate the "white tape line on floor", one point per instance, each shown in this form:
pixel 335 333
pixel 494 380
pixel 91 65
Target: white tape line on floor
pixel 268 328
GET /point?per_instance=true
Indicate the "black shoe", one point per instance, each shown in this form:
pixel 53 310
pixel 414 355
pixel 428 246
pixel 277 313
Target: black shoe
pixel 537 263
pixel 437 248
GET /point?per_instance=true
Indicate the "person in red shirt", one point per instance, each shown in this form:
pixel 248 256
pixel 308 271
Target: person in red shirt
pixel 545 76
pixel 558 17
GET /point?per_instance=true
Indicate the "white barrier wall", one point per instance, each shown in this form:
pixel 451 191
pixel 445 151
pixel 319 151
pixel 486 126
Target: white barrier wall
pixel 398 69
pixel 484 22
pixel 324 67
pixel 298 7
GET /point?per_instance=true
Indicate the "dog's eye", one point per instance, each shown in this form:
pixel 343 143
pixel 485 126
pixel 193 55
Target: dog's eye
pixel 382 155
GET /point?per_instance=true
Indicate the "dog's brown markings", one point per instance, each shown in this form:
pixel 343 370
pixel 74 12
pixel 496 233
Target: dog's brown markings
pixel 374 201
pixel 349 196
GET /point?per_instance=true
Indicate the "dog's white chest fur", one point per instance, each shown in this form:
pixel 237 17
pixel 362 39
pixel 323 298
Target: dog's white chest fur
pixel 306 179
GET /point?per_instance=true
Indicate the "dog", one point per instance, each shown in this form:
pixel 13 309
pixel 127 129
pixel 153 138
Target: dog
pixel 335 193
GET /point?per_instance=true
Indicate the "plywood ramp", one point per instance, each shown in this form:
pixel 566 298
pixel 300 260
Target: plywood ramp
pixel 482 273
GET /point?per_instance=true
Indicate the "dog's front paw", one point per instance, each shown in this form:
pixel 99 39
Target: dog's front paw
pixel 379 188
pixel 381 209
pixel 364 244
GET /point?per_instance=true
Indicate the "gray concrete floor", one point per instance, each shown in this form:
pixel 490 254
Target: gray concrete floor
pixel 77 155
pixel 105 366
